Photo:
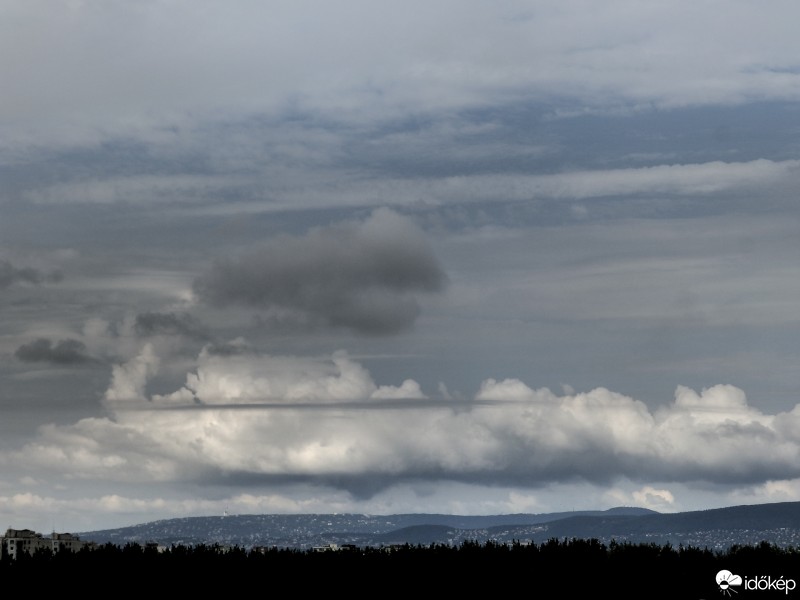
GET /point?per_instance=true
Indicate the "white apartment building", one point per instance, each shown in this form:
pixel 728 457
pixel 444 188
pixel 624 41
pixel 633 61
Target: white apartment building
pixel 16 541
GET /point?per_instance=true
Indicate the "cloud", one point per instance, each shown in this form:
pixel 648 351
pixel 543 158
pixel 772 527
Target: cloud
pixel 231 348
pixel 156 189
pixel 326 421
pixel 787 490
pixel 360 276
pixel 155 323
pixel 700 179
pixel 9 275
pixel 63 352
pixel 731 180
pixel 231 378
pixel 128 380
pixel 394 58
pixel 619 210
pixel 657 499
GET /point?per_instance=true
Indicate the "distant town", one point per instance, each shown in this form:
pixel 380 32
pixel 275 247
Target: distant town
pixel 718 530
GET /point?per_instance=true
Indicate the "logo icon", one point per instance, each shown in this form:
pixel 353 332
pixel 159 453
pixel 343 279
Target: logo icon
pixel 727 581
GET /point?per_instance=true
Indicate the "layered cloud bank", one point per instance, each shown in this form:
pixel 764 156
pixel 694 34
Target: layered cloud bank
pixel 535 192
pixel 270 418
pixel 397 58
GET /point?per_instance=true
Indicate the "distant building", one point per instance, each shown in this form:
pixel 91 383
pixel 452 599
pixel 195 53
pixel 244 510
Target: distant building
pixel 16 541
pixel 328 548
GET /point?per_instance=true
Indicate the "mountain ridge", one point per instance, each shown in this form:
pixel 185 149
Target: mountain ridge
pixel 777 523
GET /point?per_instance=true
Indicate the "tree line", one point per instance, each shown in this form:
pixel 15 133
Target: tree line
pixel 571 565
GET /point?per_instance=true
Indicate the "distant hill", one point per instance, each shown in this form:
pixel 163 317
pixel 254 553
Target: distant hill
pixel 762 521
pixel 777 523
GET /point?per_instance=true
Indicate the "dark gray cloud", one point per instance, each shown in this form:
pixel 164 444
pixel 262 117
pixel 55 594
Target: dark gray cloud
pixel 155 323
pixel 361 276
pixel 9 275
pixel 63 352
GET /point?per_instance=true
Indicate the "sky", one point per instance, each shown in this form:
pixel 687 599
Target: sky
pixel 389 257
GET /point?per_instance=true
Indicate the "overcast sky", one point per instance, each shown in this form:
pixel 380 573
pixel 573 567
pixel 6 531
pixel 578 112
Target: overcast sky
pixel 385 257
